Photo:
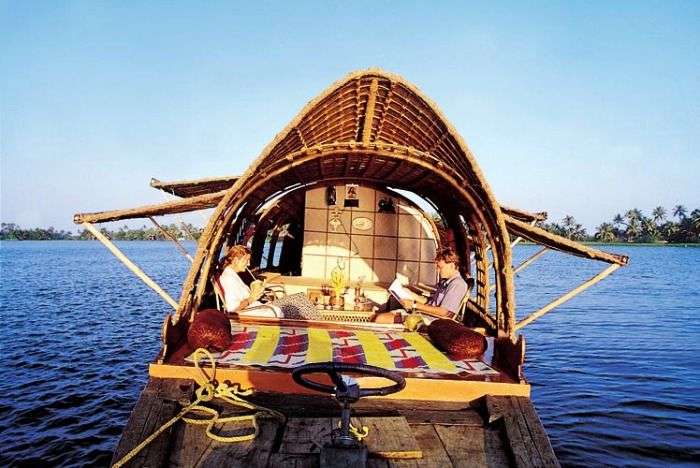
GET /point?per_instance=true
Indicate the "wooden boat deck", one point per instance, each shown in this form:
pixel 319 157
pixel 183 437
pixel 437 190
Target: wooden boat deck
pixel 493 431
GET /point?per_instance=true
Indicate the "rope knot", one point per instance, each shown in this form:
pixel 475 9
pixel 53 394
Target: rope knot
pixel 209 389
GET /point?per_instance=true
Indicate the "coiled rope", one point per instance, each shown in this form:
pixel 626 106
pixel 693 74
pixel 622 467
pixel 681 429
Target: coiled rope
pixel 208 390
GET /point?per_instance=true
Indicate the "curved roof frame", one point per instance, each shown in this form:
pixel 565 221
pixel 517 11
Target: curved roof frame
pixel 370 113
pixel 223 219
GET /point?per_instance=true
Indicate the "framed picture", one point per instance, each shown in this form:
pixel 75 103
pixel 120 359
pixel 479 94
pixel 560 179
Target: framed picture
pixel 351 198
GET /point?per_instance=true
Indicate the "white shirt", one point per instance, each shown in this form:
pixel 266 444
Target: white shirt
pixel 234 289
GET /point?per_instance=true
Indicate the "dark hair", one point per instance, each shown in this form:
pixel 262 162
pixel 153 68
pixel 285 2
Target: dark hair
pixel 447 255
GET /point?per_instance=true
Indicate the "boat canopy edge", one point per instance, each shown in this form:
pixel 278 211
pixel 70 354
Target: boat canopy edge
pixel 556 242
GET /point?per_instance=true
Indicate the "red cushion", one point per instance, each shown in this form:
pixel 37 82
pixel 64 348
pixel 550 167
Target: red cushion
pixel 210 329
pixel 456 340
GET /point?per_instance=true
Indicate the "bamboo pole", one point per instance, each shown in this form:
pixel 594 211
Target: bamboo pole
pixel 574 292
pixel 530 260
pixel 129 264
pixel 525 264
pixel 187 230
pixel 200 202
pixel 172 238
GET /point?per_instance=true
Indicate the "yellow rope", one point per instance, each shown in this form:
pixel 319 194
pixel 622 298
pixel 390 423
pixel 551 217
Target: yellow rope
pixel 359 433
pixel 207 391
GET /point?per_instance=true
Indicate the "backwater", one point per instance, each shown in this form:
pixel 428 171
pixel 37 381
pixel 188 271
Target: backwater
pixel 615 372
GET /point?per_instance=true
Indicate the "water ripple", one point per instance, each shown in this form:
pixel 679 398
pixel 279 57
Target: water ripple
pixel 614 372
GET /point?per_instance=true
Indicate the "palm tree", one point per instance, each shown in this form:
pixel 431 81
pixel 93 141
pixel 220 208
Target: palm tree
pixel 649 229
pixel 633 214
pixel 578 232
pixel 633 229
pixel 572 229
pixel 618 220
pixel 695 220
pixel 679 211
pixel 605 233
pixel 658 214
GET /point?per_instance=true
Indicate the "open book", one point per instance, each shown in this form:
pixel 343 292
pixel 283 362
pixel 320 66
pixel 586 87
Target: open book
pixel 397 290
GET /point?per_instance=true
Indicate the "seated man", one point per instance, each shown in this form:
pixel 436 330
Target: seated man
pixel 238 297
pixel 445 301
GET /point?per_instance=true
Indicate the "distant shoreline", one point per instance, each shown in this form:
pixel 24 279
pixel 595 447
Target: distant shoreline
pixel 632 244
pixel 613 244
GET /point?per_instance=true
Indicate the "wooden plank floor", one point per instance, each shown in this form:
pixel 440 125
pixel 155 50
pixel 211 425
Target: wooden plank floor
pixel 495 432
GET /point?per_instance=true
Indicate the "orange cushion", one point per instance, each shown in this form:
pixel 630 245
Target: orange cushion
pixel 456 340
pixel 210 329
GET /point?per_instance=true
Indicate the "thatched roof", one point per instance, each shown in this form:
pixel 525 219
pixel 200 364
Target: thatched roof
pixel 370 127
pixel 374 128
pixel 195 187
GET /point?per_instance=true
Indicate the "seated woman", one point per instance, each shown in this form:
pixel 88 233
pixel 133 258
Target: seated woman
pixel 237 296
pixel 447 298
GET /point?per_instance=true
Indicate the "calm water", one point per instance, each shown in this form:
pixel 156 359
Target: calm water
pixel 614 372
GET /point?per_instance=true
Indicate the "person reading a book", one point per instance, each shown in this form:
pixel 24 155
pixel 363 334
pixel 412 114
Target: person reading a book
pixel 445 301
pixel 239 297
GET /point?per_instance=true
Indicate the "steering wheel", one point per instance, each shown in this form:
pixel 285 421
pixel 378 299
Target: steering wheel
pixel 342 389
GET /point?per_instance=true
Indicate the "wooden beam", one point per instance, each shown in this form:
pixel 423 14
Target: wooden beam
pixel 563 244
pixel 130 265
pixel 571 294
pixel 179 246
pixel 369 112
pixel 200 202
pixel 523 215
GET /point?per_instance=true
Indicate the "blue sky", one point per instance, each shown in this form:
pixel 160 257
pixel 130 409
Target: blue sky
pixel 582 108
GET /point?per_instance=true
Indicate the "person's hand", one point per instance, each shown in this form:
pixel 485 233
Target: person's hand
pixel 407 304
pixel 256 290
pixel 385 318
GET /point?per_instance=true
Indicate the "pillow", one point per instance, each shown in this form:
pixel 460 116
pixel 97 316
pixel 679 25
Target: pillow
pixel 297 306
pixel 456 340
pixel 210 329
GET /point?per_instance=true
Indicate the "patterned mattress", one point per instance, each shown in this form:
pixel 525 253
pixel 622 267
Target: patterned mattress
pixel 272 346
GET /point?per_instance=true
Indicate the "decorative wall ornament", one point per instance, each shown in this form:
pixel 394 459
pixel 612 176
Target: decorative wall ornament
pixel 362 224
pixel 386 205
pixel 334 221
pixel 330 195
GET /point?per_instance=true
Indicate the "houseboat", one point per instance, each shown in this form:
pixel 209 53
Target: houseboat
pixel 343 211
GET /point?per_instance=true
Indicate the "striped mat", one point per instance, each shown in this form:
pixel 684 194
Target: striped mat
pixel 290 347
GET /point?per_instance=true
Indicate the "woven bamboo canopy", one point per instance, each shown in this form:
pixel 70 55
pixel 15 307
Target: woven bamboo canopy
pixel 372 128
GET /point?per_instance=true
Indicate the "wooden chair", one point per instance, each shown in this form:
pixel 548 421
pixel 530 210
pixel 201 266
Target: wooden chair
pixel 463 305
pixel 270 293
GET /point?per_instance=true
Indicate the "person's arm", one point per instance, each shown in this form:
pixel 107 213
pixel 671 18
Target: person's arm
pixel 435 311
pixel 242 305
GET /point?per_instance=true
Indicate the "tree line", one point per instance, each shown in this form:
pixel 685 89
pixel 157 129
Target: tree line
pixel 183 231
pixel 635 227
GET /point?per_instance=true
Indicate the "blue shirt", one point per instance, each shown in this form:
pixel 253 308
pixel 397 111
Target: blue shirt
pixel 449 293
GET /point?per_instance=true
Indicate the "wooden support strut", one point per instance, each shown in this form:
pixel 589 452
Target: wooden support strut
pixel 369 112
pixel 129 264
pixel 526 263
pixel 571 294
pixel 530 260
pixel 172 238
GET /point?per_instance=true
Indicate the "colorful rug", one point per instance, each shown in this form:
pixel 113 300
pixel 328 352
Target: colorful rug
pixel 290 347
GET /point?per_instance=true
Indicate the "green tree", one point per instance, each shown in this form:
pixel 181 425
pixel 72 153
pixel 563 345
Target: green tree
pixel 605 232
pixel 658 214
pixel 650 231
pixel 695 220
